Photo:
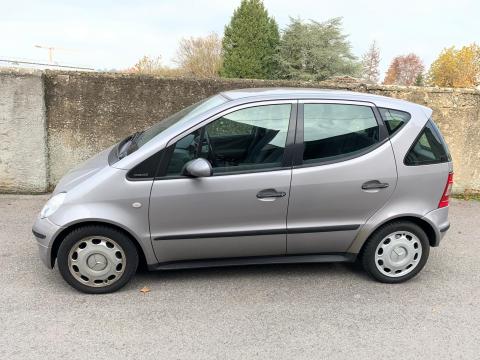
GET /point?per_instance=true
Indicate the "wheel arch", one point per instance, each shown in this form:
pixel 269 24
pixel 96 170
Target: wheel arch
pixel 67 230
pixel 424 225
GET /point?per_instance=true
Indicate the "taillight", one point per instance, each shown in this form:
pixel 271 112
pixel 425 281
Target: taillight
pixel 446 193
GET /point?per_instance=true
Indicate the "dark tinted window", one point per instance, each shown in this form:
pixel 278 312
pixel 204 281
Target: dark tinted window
pixel 247 139
pixel 147 168
pixel 334 131
pixel 429 148
pixel 394 119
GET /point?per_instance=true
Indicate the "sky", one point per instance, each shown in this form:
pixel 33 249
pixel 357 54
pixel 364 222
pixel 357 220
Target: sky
pixel 114 34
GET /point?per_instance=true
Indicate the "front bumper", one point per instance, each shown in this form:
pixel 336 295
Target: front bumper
pixel 45 233
pixel 439 220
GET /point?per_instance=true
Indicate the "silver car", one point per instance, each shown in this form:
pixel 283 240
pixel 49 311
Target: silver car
pixel 256 176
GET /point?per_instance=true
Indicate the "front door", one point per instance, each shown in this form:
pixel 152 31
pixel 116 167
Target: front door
pixel 241 210
pixel 346 174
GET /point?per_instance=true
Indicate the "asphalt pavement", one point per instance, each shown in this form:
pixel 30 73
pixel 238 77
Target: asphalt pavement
pixel 304 311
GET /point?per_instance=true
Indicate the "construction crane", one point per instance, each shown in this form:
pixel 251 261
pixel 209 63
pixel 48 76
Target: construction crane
pixel 51 50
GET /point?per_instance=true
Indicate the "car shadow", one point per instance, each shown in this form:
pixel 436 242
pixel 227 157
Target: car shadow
pixel 254 271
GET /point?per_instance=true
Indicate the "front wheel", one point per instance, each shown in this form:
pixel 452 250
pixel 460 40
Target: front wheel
pixel 396 252
pixel 97 259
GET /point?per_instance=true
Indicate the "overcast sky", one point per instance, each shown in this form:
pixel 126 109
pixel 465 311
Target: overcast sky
pixel 108 34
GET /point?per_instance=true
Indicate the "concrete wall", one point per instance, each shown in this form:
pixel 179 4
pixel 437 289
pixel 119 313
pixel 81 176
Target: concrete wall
pixel 86 112
pixel 23 151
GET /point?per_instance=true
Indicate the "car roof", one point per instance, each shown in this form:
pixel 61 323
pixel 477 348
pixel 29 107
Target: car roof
pixel 312 93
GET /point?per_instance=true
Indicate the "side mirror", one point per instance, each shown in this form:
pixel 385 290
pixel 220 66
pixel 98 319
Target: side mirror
pixel 198 168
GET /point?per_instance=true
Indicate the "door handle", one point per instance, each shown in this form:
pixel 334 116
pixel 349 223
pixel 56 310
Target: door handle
pixel 374 184
pixel 270 193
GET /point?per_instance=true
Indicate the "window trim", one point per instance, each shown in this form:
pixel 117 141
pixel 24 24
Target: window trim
pixel 383 136
pixel 293 153
pixel 287 154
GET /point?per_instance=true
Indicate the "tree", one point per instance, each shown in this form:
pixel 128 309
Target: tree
pixel 370 64
pixel 404 70
pixel 201 57
pixel 148 65
pixel 420 80
pixel 153 66
pixel 315 51
pixel 456 68
pixel 250 42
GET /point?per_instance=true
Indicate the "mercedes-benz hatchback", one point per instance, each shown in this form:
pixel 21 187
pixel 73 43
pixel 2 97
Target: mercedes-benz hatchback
pixel 252 177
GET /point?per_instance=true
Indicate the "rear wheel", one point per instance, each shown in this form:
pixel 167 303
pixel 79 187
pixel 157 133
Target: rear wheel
pixel 97 259
pixel 396 252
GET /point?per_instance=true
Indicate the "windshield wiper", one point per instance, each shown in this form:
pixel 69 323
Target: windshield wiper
pixel 136 136
pixel 126 145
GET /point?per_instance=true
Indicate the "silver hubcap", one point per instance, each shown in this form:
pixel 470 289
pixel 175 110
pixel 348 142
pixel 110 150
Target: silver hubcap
pixel 96 261
pixel 398 254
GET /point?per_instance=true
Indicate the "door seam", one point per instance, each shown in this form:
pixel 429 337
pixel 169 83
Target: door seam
pixel 291 178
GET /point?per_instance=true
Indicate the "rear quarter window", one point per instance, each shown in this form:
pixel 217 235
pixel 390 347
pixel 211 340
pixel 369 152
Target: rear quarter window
pixel 428 148
pixel 394 119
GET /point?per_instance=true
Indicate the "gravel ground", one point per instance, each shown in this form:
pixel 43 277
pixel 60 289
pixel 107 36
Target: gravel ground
pixel 311 311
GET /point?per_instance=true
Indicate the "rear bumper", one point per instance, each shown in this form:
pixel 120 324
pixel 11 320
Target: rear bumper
pixel 439 220
pixel 45 232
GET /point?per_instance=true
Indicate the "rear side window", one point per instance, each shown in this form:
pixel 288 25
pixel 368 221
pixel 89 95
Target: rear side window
pixel 428 148
pixel 337 131
pixel 394 119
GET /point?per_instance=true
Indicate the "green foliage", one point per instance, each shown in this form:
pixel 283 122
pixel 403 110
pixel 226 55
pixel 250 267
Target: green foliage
pixel 250 43
pixel 467 196
pixel 420 80
pixel 315 51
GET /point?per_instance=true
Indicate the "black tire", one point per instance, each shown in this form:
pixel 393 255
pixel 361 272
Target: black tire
pixel 367 256
pixel 119 237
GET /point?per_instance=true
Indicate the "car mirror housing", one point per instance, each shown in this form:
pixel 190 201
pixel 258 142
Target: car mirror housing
pixel 198 168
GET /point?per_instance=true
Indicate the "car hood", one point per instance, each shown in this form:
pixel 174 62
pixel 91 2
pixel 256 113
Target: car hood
pixel 83 171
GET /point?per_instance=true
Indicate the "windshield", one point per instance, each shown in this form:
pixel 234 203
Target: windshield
pixel 178 118
pixel 135 141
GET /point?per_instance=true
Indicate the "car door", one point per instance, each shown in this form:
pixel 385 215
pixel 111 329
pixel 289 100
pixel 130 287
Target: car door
pixel 345 174
pixel 241 209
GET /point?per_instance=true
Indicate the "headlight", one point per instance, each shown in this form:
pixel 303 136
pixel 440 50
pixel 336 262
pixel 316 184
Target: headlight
pixel 52 205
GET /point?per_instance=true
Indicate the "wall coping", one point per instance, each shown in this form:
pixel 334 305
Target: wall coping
pixel 334 83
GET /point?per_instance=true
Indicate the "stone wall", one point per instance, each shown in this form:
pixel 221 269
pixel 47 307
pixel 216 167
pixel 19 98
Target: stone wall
pixel 23 150
pixel 83 113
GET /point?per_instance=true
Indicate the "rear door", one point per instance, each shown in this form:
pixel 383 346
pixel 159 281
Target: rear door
pixel 346 172
pixel 241 210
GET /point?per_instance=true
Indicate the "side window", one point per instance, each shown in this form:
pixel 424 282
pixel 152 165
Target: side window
pixel 248 139
pixel 335 131
pixel 186 149
pixel 428 148
pixel 394 119
pixel 146 169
